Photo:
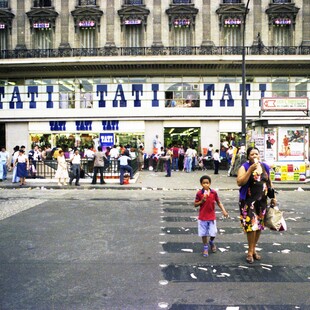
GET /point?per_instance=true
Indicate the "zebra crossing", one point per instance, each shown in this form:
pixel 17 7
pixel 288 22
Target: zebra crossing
pixel 185 270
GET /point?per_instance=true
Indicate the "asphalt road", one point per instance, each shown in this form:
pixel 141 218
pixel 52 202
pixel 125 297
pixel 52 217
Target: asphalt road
pixel 139 249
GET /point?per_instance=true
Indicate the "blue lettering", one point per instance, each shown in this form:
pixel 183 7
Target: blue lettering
pixel 227 92
pixel 32 91
pixel 1 96
pixel 208 88
pixel 262 88
pixel 83 125
pixel 110 125
pixel 57 125
pixel 119 93
pixel 136 89
pixel 155 101
pixel 101 90
pixel 49 102
pixel 16 95
pixel 247 91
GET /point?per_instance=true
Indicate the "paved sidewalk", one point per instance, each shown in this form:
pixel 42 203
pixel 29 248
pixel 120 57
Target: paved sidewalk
pixel 157 181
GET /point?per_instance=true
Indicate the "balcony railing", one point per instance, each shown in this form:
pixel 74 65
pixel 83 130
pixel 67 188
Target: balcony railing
pixel 153 51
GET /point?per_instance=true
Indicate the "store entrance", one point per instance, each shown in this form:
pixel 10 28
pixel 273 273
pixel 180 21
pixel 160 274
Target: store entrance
pixel 182 136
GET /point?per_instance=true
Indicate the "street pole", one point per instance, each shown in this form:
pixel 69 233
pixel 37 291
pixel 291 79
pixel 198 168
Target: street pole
pixel 243 103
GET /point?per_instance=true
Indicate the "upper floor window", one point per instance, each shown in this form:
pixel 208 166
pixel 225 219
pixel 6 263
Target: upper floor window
pixel 281 1
pixel 42 3
pixel 134 2
pixel 4 4
pixel 86 2
pixel 231 1
pixel 182 1
pixel 3 37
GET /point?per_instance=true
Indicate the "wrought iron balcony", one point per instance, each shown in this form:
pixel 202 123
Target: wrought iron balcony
pixel 152 51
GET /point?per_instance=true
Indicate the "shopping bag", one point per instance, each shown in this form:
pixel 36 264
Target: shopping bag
pixel 274 219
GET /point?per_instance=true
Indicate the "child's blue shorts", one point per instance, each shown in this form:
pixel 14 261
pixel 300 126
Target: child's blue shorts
pixel 207 228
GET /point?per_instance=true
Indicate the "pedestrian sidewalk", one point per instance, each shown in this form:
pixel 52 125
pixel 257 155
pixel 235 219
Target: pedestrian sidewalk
pixel 152 180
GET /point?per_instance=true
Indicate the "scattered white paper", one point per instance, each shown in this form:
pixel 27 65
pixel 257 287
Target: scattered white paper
pixel 266 268
pixel 193 276
pixel 202 268
pixel 276 243
pixel 244 267
pixel 266 265
pixel 286 251
pixel 222 249
pixel 187 250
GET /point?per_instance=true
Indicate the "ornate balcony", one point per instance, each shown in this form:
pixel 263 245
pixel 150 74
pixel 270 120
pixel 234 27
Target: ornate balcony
pixel 152 51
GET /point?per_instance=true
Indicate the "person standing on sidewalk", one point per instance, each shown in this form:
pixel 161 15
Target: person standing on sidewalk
pixel 62 169
pixel 169 155
pixel 4 163
pixel 76 167
pixel 216 160
pixel 99 159
pixel 206 199
pixel 22 164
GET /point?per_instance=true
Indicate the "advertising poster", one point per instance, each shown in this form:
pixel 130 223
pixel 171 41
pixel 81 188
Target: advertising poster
pixel 270 144
pixel 291 144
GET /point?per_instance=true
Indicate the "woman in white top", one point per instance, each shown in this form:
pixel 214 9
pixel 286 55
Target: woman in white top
pixel 62 169
pixel 22 164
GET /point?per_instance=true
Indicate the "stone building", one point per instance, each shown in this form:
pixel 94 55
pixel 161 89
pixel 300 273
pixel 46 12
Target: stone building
pixel 79 72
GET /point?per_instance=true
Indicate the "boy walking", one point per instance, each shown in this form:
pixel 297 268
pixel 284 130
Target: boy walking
pixel 206 199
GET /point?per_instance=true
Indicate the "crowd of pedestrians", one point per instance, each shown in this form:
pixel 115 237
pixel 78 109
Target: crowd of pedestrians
pixel 71 163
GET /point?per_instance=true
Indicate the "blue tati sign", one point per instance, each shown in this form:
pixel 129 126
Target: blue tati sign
pixel 106 139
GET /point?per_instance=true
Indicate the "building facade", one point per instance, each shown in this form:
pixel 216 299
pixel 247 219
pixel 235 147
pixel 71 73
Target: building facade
pixel 78 72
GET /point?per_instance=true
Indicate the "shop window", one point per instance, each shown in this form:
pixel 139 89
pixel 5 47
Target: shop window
pixel 42 3
pixel 182 95
pixel 42 39
pixel 4 4
pixel 280 87
pixel 86 94
pixel 301 87
pixel 132 140
pixel 66 94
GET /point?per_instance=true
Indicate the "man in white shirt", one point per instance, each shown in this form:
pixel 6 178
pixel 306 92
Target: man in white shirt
pixel 76 167
pixel 114 155
pixel 123 166
pixel 4 163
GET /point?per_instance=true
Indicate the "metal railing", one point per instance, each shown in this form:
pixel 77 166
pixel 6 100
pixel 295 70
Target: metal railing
pixel 152 51
pixel 47 169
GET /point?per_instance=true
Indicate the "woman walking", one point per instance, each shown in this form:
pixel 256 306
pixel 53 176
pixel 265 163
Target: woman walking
pixel 253 179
